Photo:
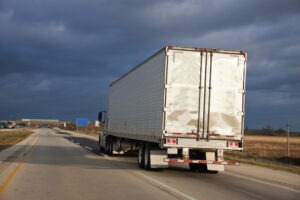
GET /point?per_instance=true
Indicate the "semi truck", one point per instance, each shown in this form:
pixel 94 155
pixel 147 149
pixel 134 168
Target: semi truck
pixel 181 105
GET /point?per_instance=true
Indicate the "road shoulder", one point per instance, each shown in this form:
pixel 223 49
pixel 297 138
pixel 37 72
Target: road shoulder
pixel 11 157
pixel 290 180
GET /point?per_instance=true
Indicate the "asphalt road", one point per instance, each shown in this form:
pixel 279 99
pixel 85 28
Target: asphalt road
pixel 58 165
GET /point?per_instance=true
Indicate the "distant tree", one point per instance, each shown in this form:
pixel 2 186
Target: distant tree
pixel 280 131
pixel 268 130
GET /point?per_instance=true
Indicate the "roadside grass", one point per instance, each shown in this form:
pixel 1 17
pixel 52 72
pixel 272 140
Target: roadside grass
pixel 269 151
pixel 9 138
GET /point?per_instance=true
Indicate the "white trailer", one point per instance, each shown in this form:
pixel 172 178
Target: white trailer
pixel 11 124
pixel 180 105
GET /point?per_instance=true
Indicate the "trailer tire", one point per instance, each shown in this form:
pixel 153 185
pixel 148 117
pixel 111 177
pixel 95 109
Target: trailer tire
pixel 203 168
pixel 147 164
pixel 194 166
pixel 198 167
pixel 100 150
pixel 212 171
pixel 110 152
pixel 106 145
pixel 141 156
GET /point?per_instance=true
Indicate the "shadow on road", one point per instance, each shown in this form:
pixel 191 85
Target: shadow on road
pixel 62 133
pixel 84 153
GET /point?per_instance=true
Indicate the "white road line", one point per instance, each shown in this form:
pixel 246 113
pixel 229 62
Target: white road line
pixel 88 148
pixel 161 185
pixel 102 154
pixel 267 182
pixel 106 156
pixel 166 187
pixel 77 143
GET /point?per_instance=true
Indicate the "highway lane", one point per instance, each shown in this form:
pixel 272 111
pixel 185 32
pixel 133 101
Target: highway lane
pixel 67 166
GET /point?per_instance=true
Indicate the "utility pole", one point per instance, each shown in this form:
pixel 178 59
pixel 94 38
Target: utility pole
pixel 288 137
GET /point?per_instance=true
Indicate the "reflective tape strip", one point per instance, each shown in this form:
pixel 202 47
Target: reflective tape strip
pixel 176 133
pixel 201 161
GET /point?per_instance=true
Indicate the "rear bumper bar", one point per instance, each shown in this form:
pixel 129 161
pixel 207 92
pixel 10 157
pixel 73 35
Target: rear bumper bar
pixel 202 144
pixel 201 161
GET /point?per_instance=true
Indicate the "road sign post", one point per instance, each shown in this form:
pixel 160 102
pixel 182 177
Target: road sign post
pixel 288 142
pixel 82 122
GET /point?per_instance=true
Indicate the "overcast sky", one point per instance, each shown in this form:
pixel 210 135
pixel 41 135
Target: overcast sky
pixel 57 57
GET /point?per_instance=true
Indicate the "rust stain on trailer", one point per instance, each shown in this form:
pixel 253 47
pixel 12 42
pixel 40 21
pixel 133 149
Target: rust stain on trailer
pixel 174 115
pixel 222 118
pixel 193 122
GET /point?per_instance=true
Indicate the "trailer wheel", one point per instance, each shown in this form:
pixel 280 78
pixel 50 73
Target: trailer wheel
pixel 100 150
pixel 198 167
pixel 212 171
pixel 194 166
pixel 110 152
pixel 203 168
pixel 106 144
pixel 141 156
pixel 147 164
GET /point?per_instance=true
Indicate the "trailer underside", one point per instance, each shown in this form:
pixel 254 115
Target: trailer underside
pixel 152 156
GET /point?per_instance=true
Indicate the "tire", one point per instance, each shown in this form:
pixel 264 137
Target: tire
pixel 203 168
pixel 141 156
pixel 198 167
pixel 100 150
pixel 194 166
pixel 106 149
pixel 110 151
pixel 147 164
pixel 212 171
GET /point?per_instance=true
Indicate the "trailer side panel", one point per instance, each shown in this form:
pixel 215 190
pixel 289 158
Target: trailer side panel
pixel 136 101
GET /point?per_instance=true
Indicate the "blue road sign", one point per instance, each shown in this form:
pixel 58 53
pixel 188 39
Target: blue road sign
pixel 82 122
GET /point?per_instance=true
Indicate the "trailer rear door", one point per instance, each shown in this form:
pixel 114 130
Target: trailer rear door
pixel 205 93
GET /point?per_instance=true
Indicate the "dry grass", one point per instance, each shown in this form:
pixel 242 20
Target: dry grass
pixel 269 151
pixel 9 138
pixel 95 134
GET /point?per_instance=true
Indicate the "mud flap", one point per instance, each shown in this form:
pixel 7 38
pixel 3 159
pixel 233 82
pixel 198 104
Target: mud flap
pixel 213 167
pixel 157 159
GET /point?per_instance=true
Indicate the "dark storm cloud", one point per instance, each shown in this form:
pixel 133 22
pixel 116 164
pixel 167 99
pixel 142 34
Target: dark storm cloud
pixel 55 52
